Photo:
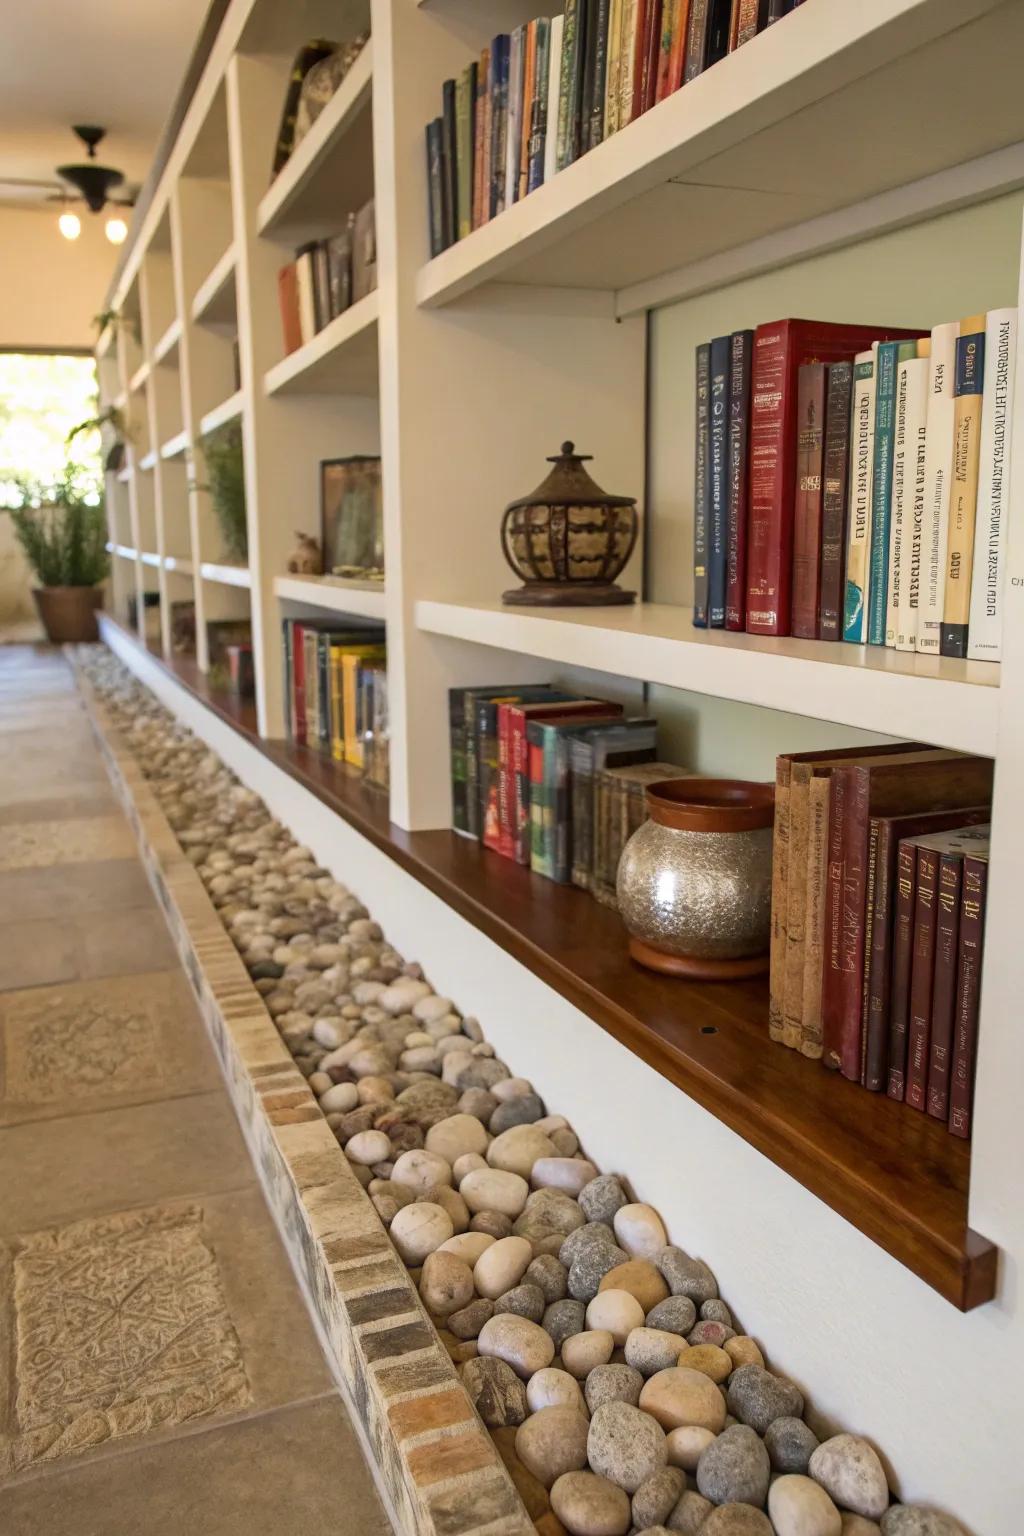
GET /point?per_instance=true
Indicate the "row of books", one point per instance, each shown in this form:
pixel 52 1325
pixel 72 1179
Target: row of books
pixel 851 483
pixel 878 901
pixel 552 780
pixel 326 278
pixel 540 97
pixel 336 693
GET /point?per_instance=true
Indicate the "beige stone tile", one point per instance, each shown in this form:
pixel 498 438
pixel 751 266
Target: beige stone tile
pixel 96 798
pixel 138 941
pixel 37 954
pixel 291 1473
pixel 77 1048
pixel 88 1164
pixel 42 952
pixel 36 844
pixel 68 890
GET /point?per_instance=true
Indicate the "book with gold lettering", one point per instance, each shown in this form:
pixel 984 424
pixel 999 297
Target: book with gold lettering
pixel 967 389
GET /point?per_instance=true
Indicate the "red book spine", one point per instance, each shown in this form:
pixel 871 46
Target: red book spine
pixel 770 515
pixel 831 984
pixel 506 787
pixel 299 683
pixel 902 961
pixel 288 297
pixel 947 933
pixel 520 788
pixel 677 57
pixel 968 994
pixel 669 20
pixel 648 79
pixel 878 963
pixel 745 17
pixel 810 416
pixel 922 977
pixel 844 1047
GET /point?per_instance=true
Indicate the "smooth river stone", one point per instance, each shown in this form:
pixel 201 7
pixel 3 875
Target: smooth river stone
pixel 790 1444
pixel 913 1520
pixel 687 1445
pixel 512 1088
pixel 758 1398
pixel 735 1469
pixel 613 1384
pixel 514 1109
pixel 517 1150
pixel 639 1230
pixel 418 1229
pixel 678 1396
pixel 467 1246
pixel 743 1351
pixel 588 1505
pixel 495 1391
pixel 676 1314
pixel 501 1266
pixel 487 1189
pixel 564 1318
pixel 469 1162
pixel 640 1278
pixel 602 1197
pixel 798 1506
pixel 685 1276
pixel 551 1275
pixel 590 1268
pixel 690 1513
pixel 856 1525
pixel 655 1499
pixel 625 1445
pixel 548 1212
pixel 736 1520
pixel 368 1147
pixel 421 1170
pixel 524 1300
pixel 569 1174
pixel 451 1201
pixel 592 1237
pixel 650 1350
pixel 552 1388
pixel 553 1441
pixel 455 1136
pixel 339 1099
pixel 494 1223
pixel 848 1469
pixel 521 1344
pixel 583 1351
pixel 617 1311
pixel 714 1362
pixel 446 1284
pixel 466 1324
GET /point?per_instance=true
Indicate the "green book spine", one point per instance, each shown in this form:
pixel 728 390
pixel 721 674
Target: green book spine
pixel 568 102
pixel 862 432
pixel 890 355
pixel 465 107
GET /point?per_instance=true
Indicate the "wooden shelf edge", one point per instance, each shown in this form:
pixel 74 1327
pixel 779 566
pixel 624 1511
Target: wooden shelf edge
pixel 808 1122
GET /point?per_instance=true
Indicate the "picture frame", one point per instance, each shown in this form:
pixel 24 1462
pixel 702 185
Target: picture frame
pixel 351 517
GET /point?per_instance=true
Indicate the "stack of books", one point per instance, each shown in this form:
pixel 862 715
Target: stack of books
pixel 878 901
pixel 851 483
pixel 551 780
pixel 540 97
pixel 336 693
pixel 326 278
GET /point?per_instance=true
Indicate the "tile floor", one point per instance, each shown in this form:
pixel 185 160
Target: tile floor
pixel 158 1369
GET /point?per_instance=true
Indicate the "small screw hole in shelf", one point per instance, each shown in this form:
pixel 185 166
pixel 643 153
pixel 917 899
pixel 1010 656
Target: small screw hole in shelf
pixel 709 1029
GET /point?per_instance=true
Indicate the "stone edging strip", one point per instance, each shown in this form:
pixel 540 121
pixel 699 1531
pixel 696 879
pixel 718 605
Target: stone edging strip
pixel 436 1460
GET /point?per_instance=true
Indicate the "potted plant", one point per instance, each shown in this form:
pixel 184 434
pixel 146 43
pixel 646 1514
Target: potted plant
pixel 225 482
pixel 63 533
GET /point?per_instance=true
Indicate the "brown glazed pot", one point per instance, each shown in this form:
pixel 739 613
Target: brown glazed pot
pixel 68 613
pixel 695 881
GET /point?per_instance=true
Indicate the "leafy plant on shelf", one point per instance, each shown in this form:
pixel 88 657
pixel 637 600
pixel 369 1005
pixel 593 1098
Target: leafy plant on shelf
pixel 112 418
pixel 222 451
pixel 62 530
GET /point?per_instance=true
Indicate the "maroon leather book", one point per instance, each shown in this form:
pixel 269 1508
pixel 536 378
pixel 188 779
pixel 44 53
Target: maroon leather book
pixel 902 958
pixel 968 994
pixel 288 298
pixel 947 934
pixel 931 779
pixel 810 444
pixel 886 833
pixel 779 350
pixel 748 18
pixel 645 74
pixel 740 348
pixel 922 976
pixel 835 471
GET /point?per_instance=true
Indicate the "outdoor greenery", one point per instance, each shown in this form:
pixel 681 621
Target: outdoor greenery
pixel 62 531
pixel 222 450
pixel 41 399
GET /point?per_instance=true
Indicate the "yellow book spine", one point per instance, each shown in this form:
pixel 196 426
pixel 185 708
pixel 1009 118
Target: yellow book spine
pixel 963 501
pixel 353 747
pixel 337 706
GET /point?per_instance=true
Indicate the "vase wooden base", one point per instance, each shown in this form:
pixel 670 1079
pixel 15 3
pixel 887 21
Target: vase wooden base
pixel 568 594
pixel 692 968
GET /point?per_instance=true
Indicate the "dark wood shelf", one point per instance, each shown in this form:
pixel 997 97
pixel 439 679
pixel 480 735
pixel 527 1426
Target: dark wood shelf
pixel 895 1174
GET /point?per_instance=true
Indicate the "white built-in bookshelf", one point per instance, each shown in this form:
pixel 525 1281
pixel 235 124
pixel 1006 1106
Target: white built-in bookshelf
pixel 842 125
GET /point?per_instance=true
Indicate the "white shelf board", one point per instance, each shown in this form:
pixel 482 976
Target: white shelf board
pixel 340 359
pixel 226 575
pixel 322 144
pixel 751 147
pixel 148 558
pixel 123 551
pixel 364 599
pixel 121 401
pixel 138 378
pixel 226 411
pixel 214 303
pixel 179 565
pixel 175 446
pixel 124 475
pixel 148 460
pixel 168 341
pixel 935 699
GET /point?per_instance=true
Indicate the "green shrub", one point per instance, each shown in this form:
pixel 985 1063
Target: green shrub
pixel 64 537
pixel 222 450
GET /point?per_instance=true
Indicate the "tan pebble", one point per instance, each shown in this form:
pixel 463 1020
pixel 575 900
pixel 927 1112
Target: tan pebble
pixel 421 1170
pixel 517 1149
pixel 469 1162
pixel 501 1266
pixel 512 1088
pixel 649 1350
pixel 689 1516
pixel 339 1099
pixel 446 1284
pixel 799 1507
pixel 467 1246
pixel 618 1312
pixel 362 1173
pixel 680 1396
pixel 368 1147
pixel 710 1360
pixel 451 1201
pixel 554 1388
pixel 521 1344
pixel 569 1174
pixel 743 1351
pixel 566 1142
pixel 640 1278
pixel 553 1441
pixel 374 1090
pixel 582 1351
pixel 588 1505
pixel 491 1189
pixel 640 1230
pixel 686 1445
pixel 320 1082
pixel 456 1135
pixel 420 1228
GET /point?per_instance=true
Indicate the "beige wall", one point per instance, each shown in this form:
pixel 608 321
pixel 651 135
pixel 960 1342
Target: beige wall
pixel 50 288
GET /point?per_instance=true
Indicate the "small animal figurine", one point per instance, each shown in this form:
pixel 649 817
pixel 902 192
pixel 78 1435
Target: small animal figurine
pixel 305 558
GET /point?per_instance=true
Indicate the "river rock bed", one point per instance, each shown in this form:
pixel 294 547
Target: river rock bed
pixel 620 1390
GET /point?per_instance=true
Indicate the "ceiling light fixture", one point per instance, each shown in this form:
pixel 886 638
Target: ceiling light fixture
pixel 94 182
pixel 70 226
pixel 117 231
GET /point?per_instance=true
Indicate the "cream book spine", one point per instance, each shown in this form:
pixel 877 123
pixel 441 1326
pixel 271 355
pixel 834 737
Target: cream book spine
pixel 963 493
pixel 858 548
pixel 905 523
pixel 938 469
pixel 554 84
pixel 985 630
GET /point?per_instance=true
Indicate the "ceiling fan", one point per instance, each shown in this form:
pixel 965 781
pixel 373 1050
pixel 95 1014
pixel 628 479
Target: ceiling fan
pixel 93 184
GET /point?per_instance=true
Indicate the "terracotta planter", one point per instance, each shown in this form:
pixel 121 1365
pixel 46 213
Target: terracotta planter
pixel 68 613
pixel 695 882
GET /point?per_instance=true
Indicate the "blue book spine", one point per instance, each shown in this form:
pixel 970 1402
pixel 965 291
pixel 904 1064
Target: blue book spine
pixel 718 480
pixel 889 358
pixel 499 120
pixel 700 489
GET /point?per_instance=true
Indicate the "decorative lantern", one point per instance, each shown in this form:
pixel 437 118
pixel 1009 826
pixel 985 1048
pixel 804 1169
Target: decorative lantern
pixel 568 541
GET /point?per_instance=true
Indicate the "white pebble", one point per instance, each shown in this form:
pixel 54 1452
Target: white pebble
pixel 502 1265
pixel 339 1099
pixel 639 1229
pixel 368 1147
pixel 421 1170
pixel 419 1229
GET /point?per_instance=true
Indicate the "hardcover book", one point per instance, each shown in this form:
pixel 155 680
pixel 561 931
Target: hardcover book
pixel 907 520
pixel 835 472
pixel 613 72
pixel 951 851
pixel 548 742
pixel 449 163
pixel 514 127
pixel 618 746
pixel 984 636
pixel 288 299
pixel 938 465
pixel 630 44
pixel 539 112
pixel 858 522
pixel 481 128
pixel 741 345
pixel 889 357
pixel 807 512
pixel 620 807
pixel 465 108
pixel 462 721
pixel 748 18
pixel 485 763
pixel 968 992
pixel 499 121
pixel 527 112
pixel 514 787
pixel 701 488
pixel 967 387
pixel 718 479
pixel 570 90
pixel 551 166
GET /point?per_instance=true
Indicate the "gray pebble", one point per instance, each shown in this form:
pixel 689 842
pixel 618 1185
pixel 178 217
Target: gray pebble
pixel 482 1072
pixel 685 1276
pixel 548 1212
pixel 478 1102
pixel 495 1223
pixel 758 1398
pixel 612 1384
pixel 690 1513
pixel 715 1311
pixel 655 1499
pixel 625 1445
pixel 676 1314
pixel 562 1319
pixel 734 1469
pixel 602 1197
pixel 913 1520
pixel 586 1274
pixel 551 1275
pixel 593 1234
pixel 466 1323
pixel 790 1443
pixel 523 1110
pixel 524 1301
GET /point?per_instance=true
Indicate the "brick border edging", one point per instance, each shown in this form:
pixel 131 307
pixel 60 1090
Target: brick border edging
pixel 435 1457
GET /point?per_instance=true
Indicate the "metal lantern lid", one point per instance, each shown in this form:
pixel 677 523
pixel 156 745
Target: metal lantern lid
pixel 569 485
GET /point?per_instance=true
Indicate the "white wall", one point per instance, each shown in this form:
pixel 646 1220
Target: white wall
pixel 50 288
